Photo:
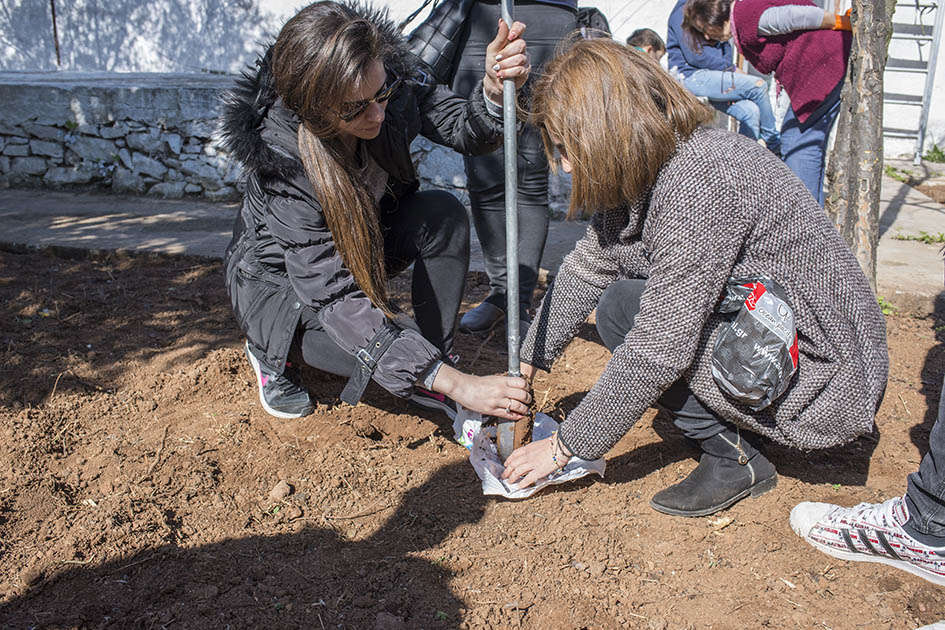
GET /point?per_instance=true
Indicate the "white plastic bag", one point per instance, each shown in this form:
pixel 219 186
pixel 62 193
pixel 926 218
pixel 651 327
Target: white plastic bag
pixel 485 460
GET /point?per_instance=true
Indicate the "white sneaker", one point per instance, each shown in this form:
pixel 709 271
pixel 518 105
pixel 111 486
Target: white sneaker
pixel 868 532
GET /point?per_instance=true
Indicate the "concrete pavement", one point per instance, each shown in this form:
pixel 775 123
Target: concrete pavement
pixel 909 272
pixel 40 218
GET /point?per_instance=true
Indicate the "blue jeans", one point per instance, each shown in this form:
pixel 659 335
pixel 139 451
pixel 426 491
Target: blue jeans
pixel 925 496
pixel 804 151
pixel 739 96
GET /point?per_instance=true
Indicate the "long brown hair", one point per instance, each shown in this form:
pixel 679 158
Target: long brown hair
pixel 616 115
pixel 698 14
pixel 322 52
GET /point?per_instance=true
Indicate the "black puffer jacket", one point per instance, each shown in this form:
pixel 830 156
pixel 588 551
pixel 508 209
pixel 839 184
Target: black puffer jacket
pixel 437 40
pixel 282 256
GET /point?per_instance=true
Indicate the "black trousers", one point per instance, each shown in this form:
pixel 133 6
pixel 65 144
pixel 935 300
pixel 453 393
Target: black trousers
pixel 547 25
pixel 431 231
pixel 616 311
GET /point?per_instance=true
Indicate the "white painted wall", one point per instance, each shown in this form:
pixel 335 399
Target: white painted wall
pixel 222 35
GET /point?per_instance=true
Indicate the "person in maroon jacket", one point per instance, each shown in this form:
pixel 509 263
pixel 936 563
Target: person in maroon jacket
pixel 807 49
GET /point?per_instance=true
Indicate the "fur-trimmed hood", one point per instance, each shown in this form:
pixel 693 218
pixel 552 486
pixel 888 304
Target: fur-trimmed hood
pixel 247 104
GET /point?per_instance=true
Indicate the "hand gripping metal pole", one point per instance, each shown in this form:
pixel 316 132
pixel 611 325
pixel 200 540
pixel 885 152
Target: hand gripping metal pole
pixel 505 441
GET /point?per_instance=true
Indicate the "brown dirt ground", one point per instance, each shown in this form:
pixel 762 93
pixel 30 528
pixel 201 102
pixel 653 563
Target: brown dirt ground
pixel 136 466
pixel 934 189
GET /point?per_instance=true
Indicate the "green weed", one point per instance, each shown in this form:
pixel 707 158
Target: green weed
pixel 923 237
pixel 886 306
pixel 897 174
pixel 935 154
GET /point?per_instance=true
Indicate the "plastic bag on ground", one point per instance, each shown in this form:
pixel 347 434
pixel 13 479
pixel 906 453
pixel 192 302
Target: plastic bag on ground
pixel 480 440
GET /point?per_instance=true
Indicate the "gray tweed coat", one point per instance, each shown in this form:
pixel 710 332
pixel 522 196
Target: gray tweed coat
pixel 722 206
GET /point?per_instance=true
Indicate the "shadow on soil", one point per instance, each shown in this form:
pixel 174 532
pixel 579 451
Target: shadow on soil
pixel 313 578
pixel 932 380
pixel 78 320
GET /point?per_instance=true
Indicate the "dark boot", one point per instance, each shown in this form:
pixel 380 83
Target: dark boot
pixel 482 319
pixel 729 470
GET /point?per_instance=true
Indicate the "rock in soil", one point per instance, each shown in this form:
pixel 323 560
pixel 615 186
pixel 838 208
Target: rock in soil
pixel 387 621
pixel 280 491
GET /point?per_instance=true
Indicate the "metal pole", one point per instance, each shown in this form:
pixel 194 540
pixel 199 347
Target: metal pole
pixel 929 83
pixel 505 440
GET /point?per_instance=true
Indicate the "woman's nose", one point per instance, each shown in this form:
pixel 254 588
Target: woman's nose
pixel 376 111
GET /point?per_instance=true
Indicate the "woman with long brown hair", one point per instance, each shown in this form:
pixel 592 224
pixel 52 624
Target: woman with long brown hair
pixel 678 210
pixel 332 210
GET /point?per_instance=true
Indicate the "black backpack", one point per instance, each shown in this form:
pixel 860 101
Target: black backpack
pixel 592 23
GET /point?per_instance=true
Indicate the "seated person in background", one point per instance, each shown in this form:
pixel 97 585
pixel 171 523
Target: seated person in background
pixel 646 40
pixel 707 71
pixel 806 48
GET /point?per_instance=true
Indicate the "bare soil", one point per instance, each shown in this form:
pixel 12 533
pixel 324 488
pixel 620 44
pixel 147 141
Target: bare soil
pixel 928 178
pixel 934 189
pixel 142 485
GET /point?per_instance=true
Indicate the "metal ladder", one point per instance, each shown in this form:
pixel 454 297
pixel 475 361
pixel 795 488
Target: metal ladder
pixel 927 38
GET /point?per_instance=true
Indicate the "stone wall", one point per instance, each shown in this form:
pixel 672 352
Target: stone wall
pixel 127 133
pixel 150 134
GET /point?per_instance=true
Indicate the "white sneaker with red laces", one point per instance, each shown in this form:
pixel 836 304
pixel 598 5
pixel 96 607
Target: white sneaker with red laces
pixel 868 532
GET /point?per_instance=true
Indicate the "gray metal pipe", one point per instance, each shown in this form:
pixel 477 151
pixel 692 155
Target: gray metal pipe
pixel 506 429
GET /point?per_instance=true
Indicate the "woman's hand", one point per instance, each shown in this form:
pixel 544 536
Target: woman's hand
pixel 500 396
pixel 534 461
pixel 506 58
pixel 527 371
pixel 838 21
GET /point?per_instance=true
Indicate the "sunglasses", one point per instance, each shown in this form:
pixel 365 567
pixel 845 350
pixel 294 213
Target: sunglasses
pixel 351 110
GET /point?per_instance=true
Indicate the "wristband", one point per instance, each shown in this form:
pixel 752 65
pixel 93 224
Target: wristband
pixel 557 451
pixel 492 108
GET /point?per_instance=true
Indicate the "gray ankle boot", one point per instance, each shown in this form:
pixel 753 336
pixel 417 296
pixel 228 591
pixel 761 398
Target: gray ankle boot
pixel 729 470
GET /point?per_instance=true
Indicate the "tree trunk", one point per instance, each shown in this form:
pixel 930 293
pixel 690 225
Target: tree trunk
pixel 855 166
